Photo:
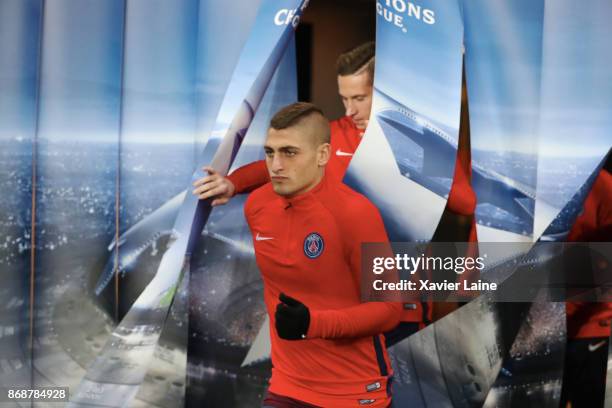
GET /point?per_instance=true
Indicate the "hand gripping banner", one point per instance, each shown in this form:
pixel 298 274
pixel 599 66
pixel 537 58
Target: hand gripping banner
pixel 115 376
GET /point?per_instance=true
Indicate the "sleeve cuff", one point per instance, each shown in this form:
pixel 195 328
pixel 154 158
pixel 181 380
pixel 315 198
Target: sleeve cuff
pixel 314 328
pixel 237 187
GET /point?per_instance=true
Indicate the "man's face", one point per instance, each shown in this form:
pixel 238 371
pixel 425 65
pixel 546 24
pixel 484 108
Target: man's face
pixel 295 162
pixel 356 94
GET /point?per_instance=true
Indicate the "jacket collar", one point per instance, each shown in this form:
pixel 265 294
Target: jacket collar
pixel 304 198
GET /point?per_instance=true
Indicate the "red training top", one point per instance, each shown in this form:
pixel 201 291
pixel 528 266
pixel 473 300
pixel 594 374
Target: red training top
pixel 592 319
pixel 309 247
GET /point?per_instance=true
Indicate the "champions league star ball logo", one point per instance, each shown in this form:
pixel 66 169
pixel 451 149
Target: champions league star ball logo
pixel 313 245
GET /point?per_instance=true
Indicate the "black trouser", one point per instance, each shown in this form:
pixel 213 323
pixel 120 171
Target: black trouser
pixel 584 374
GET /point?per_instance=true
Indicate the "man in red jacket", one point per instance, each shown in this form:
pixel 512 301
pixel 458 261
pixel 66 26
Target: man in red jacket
pixel 327 347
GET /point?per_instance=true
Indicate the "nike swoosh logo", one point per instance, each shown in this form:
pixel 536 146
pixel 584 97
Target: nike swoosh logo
pixel 341 153
pixel 593 347
pixel 260 238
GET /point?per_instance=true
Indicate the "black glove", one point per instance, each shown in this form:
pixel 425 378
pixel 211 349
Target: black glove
pixel 292 318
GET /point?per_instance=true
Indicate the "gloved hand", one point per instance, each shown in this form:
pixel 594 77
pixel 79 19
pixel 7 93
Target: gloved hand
pixel 292 318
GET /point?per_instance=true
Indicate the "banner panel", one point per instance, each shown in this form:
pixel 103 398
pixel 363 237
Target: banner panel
pixel 118 371
pixel 159 123
pixel 144 222
pixel 575 110
pixel 227 312
pixel 406 161
pixel 20 25
pixel 77 165
pixel 503 61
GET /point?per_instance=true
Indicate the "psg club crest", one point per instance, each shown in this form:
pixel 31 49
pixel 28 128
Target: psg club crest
pixel 313 245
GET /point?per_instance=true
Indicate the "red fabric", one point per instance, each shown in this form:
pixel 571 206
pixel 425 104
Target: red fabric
pixel 461 198
pixel 339 359
pixel 249 177
pixel 592 319
pixel 345 139
pixel 462 201
pixel 597 209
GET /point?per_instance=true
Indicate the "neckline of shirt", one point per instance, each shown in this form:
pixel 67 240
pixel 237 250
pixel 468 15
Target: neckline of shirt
pixel 304 197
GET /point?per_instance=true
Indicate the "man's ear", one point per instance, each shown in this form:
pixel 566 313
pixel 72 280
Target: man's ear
pixel 323 154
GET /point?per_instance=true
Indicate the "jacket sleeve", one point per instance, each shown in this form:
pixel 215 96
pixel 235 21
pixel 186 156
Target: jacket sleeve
pixel 249 177
pixel 604 212
pixel 461 197
pixel 595 222
pixel 365 319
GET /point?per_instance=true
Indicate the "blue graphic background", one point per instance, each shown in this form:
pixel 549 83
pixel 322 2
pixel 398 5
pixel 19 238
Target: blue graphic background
pixel 406 160
pixel 503 57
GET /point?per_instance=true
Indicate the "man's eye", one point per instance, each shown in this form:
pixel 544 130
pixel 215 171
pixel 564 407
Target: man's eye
pixel 269 153
pixel 290 153
pixel 360 99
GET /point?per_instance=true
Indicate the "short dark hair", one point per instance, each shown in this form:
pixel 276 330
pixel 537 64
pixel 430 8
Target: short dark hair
pixel 357 60
pixel 294 114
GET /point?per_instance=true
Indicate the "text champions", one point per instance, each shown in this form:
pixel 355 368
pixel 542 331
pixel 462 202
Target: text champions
pixel 394 12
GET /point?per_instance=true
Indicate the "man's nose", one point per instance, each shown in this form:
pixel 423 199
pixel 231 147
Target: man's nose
pixel 277 163
pixel 350 109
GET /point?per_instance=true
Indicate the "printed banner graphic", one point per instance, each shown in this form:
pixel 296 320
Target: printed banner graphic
pixel 503 44
pixel 259 59
pixel 75 192
pixel 226 362
pixel 97 146
pixel 121 285
pixel 528 169
pixel 20 23
pixel 406 160
pixel 575 120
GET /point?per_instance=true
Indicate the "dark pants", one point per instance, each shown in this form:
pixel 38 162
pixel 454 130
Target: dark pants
pixel 584 376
